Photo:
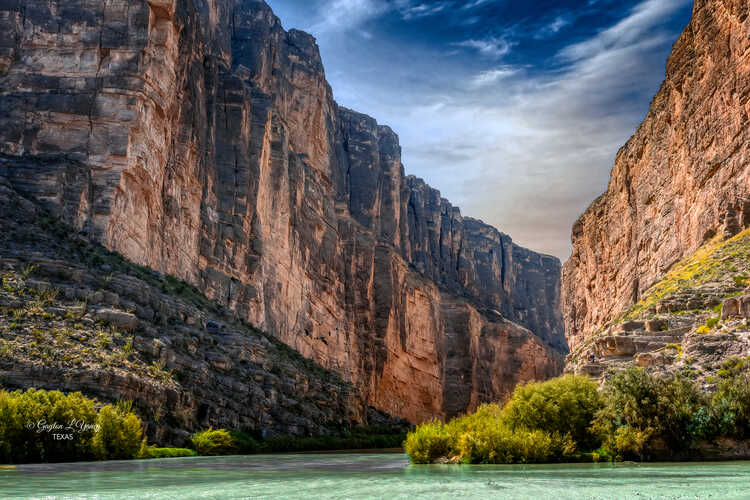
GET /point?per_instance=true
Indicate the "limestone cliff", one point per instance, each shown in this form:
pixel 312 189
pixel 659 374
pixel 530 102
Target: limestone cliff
pixel 202 140
pixel 681 180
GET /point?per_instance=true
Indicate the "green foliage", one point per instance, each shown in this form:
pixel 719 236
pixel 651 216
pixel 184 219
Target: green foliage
pixel 565 405
pixel 354 440
pixel 731 406
pixel 542 421
pixel 497 443
pixel 23 435
pixel 32 421
pixel 213 442
pixel 646 406
pixel 428 442
pixel 120 433
pixel 244 442
pixel 712 322
pixel 154 452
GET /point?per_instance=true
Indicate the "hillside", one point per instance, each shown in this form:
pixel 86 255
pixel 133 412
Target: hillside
pixel 76 317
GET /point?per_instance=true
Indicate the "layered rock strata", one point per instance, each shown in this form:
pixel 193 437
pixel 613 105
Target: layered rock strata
pixel 683 178
pixel 75 317
pixel 202 140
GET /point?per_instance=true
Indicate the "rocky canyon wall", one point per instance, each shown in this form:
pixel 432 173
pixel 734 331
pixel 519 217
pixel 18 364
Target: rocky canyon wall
pixel 202 140
pixel 683 178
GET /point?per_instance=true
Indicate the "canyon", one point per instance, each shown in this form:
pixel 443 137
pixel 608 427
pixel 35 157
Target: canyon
pixel 201 140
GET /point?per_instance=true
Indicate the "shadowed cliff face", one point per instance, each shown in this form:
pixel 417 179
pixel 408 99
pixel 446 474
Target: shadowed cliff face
pixel 683 178
pixel 202 140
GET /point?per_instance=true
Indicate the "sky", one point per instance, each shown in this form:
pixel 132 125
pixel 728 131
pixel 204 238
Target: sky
pixel 513 109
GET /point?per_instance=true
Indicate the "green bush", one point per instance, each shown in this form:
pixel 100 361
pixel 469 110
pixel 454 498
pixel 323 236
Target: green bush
pixel 26 434
pixel 648 407
pixel 119 435
pixel 244 442
pixel 564 405
pixel 154 452
pixel 213 442
pixel 428 442
pixel 731 406
pixel 497 443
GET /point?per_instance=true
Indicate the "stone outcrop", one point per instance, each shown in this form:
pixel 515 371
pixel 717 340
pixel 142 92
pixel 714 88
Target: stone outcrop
pixel 202 140
pixel 683 178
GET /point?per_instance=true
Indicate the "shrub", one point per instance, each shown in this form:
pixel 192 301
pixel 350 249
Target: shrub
pixel 497 443
pixel 649 407
pixel 244 442
pixel 731 406
pixel 428 442
pixel 213 442
pixel 21 414
pixel 628 442
pixel 154 452
pixel 564 405
pixel 119 435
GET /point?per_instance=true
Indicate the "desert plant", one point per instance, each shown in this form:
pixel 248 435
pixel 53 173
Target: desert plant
pixel 213 442
pixel 564 405
pixel 119 433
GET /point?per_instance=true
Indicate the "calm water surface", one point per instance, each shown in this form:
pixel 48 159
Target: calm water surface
pixel 384 476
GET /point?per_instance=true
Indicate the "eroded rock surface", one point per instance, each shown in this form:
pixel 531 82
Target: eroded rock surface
pixel 202 140
pixel 683 178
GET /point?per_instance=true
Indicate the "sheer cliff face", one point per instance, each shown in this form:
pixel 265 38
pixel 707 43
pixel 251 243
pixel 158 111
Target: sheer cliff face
pixel 202 140
pixel 681 179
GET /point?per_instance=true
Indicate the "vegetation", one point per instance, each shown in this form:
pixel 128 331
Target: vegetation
pixel 717 260
pixel 637 415
pixel 542 421
pixel 213 442
pixel 49 426
pixel 119 433
pixel 154 452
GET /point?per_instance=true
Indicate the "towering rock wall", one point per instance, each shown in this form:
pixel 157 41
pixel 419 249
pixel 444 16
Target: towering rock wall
pixel 201 139
pixel 681 179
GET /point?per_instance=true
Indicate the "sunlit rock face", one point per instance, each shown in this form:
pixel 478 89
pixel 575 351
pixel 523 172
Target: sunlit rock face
pixel 683 178
pixel 201 139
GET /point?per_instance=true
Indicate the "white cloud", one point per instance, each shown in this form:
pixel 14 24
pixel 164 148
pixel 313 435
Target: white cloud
pixel 344 15
pixel 411 11
pixel 491 76
pixel 553 27
pixel 494 47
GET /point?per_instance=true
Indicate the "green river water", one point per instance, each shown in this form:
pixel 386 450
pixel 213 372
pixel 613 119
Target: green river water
pixel 386 476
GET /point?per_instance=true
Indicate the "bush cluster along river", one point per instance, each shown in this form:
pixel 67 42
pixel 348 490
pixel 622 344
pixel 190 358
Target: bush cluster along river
pixel 358 476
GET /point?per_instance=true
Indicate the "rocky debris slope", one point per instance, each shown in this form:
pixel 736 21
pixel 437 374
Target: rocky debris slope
pixel 695 320
pixel 683 178
pixel 76 317
pixel 202 140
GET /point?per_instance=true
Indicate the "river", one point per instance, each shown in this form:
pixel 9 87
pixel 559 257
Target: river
pixel 369 476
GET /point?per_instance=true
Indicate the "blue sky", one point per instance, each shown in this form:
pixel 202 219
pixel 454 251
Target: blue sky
pixel 513 109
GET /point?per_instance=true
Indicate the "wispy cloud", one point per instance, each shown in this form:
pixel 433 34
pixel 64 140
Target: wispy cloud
pixel 412 11
pixel 344 15
pixel 491 76
pixel 475 3
pixel 553 28
pixel 494 47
